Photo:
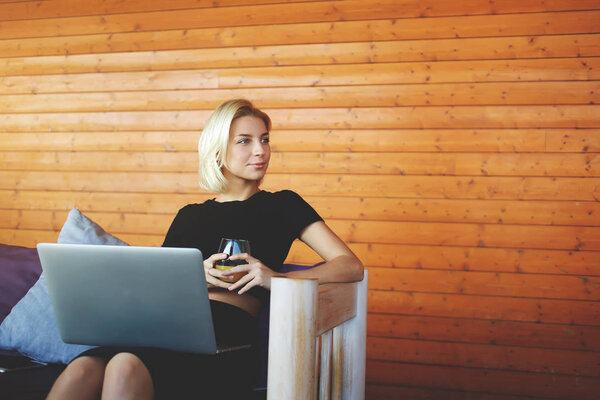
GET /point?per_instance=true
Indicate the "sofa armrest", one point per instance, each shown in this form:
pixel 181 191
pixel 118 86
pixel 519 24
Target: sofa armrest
pixel 302 311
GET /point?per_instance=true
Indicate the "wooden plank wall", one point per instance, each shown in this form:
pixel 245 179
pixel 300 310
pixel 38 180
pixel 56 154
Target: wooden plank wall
pixel 453 144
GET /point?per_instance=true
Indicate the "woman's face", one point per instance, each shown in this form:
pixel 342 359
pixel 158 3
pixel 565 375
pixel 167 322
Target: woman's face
pixel 248 152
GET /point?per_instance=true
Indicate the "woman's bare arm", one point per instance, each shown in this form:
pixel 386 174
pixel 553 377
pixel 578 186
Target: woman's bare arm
pixel 341 264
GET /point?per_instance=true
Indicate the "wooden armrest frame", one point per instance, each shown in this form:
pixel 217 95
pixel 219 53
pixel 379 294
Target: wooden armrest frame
pixel 301 311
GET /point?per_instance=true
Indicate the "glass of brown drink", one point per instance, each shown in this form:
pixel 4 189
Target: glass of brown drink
pixel 231 247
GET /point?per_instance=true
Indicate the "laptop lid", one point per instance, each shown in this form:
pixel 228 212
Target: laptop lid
pixel 129 296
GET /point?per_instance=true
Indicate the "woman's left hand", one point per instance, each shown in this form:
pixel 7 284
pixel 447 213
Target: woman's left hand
pixel 257 274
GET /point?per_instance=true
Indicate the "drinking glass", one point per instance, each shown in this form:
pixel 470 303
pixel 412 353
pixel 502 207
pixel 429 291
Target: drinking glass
pixel 231 247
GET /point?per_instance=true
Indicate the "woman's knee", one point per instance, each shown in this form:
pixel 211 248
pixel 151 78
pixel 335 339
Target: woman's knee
pixel 86 369
pixel 83 372
pixel 126 367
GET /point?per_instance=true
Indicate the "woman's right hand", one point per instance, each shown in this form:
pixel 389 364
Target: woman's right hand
pixel 209 264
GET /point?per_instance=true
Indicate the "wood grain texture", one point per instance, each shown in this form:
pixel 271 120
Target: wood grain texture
pixel 301 33
pixel 69 8
pixel 541 311
pixel 112 98
pixel 453 146
pixel 508 70
pixel 382 232
pixel 564 362
pixel 488 332
pixel 437 164
pixel 514 48
pixel 531 261
pixel 41 9
pixel 317 140
pixel 434 117
pixel 567 213
pixel 442 187
pixel 499 382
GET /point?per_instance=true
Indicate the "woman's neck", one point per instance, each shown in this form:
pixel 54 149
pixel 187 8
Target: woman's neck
pixel 239 194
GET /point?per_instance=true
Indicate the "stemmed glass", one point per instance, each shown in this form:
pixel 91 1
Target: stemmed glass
pixel 231 247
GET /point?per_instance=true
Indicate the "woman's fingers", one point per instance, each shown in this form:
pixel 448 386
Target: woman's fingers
pixel 214 258
pixel 243 256
pixel 233 270
pixel 216 282
pixel 209 263
pixel 249 280
pixel 209 270
pixel 258 275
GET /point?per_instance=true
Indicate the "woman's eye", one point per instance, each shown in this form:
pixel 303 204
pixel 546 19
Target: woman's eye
pixel 265 140
pixel 243 141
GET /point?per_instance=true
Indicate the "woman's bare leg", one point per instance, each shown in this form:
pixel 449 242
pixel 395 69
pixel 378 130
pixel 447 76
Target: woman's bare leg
pixel 82 379
pixel 126 377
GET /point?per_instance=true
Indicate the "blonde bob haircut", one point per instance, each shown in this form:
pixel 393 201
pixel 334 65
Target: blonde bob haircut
pixel 212 145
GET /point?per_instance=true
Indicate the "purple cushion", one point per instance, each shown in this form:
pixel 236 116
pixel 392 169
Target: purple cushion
pixel 285 268
pixel 20 268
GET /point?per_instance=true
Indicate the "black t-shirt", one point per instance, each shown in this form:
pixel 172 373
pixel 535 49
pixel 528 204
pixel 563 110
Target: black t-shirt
pixel 270 221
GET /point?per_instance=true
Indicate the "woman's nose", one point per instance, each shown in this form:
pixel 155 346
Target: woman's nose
pixel 258 148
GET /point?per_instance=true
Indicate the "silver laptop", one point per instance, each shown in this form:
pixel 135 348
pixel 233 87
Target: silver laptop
pixel 130 296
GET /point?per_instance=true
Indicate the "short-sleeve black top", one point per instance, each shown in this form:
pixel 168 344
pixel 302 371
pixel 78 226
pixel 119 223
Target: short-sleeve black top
pixel 270 221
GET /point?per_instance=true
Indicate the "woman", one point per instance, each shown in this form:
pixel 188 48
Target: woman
pixel 234 154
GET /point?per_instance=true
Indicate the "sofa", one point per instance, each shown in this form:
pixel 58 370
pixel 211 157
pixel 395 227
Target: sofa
pixel 20 269
pixel 32 354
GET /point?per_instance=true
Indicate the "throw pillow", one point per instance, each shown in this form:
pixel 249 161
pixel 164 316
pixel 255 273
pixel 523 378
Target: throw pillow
pixel 19 268
pixel 79 229
pixel 31 328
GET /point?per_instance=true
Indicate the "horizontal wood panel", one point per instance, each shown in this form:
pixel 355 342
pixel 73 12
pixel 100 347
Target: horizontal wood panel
pixel 499 188
pixel 491 332
pixel 548 386
pixel 482 235
pixel 262 14
pixel 505 49
pixel 120 81
pixel 73 8
pixel 377 140
pixel 325 11
pixel 303 33
pixel 384 232
pixel 458 164
pixel 111 99
pixel 531 261
pixel 486 307
pixel 567 116
pixel 553 69
pixel 486 283
pixel 563 362
pixel 379 391
pixel 187 89
pixel 351 208
pixel 575 141
pixel 27 238
pixel 39 9
pixel 507 70
pixel 580 116
pixel 31 237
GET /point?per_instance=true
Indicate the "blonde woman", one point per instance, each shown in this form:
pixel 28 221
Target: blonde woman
pixel 234 154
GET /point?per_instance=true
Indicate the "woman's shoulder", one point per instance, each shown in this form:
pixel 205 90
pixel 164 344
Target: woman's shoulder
pixel 284 194
pixel 287 198
pixel 196 207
